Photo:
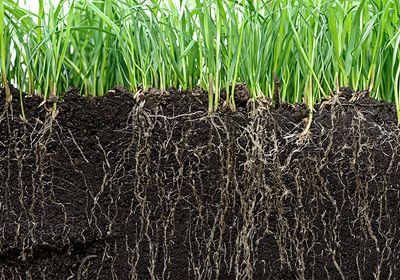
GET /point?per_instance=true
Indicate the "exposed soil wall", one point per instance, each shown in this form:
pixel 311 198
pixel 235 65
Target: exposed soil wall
pixel 156 188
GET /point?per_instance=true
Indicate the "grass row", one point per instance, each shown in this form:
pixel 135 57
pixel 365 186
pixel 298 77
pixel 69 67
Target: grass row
pixel 313 46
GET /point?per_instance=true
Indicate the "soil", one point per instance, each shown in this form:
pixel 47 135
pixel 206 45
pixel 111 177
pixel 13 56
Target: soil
pixel 152 186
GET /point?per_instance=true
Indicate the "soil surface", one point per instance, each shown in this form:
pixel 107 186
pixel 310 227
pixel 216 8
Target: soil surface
pixel 151 186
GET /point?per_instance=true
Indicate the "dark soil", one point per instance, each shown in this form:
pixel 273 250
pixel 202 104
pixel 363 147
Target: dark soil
pixel 153 187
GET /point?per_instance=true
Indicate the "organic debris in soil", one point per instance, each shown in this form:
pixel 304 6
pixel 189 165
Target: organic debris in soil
pixel 122 187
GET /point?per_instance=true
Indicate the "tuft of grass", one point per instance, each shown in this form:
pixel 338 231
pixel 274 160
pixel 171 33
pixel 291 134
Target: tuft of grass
pixel 3 58
pixel 312 46
pixel 396 71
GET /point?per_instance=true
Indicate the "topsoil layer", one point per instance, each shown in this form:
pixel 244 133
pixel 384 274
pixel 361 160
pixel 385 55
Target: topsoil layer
pixel 154 187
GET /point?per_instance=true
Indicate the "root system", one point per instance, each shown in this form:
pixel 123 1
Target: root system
pixel 119 187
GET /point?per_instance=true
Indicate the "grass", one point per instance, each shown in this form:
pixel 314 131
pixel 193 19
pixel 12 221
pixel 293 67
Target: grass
pixel 313 46
pixel 3 57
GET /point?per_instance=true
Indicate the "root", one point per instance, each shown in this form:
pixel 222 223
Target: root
pixel 247 195
pixel 82 265
pixel 305 135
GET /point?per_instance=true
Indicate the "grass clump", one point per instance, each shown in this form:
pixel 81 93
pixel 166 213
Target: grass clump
pixel 3 58
pixel 312 46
